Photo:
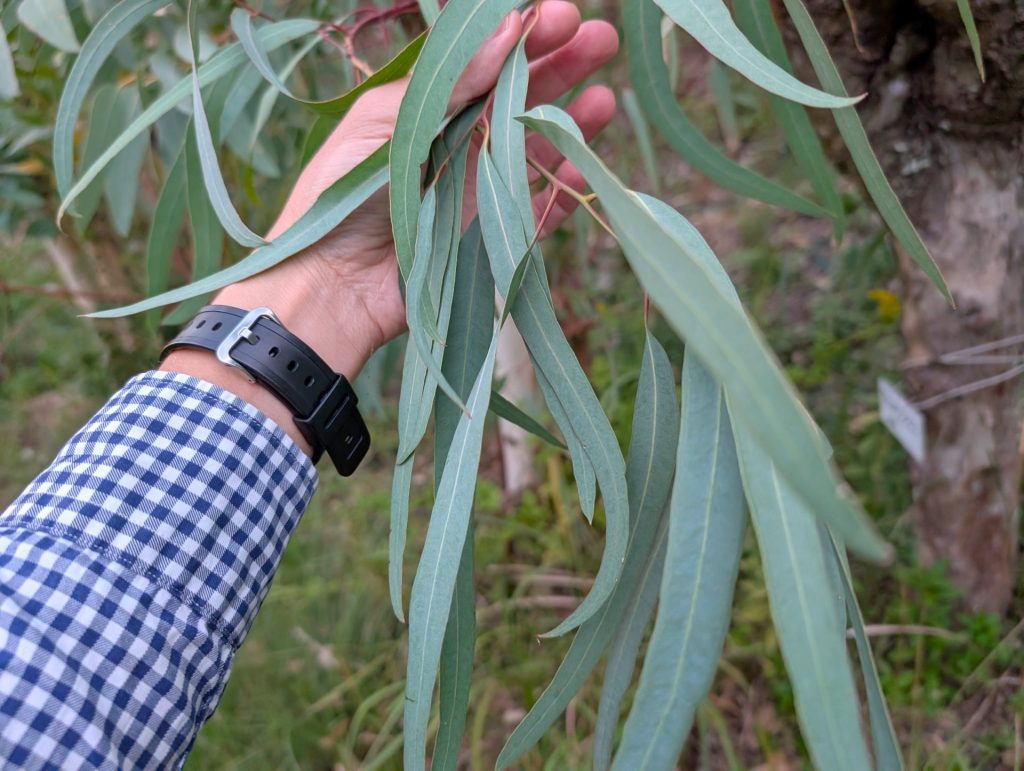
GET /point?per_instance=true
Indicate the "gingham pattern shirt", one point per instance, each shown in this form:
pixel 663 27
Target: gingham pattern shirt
pixel 131 570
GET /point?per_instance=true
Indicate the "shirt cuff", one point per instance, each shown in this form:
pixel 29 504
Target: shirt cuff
pixel 183 483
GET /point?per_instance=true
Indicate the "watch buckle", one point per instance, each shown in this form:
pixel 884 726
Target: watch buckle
pixel 242 331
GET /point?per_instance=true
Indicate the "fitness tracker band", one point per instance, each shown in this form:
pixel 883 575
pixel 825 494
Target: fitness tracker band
pixel 322 401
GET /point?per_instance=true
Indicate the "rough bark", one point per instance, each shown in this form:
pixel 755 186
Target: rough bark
pixel 954 149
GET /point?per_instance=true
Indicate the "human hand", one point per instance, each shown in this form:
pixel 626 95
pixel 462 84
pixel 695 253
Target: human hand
pixel 342 295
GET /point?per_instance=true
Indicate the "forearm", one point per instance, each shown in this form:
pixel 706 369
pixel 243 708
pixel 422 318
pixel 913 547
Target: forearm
pixel 132 569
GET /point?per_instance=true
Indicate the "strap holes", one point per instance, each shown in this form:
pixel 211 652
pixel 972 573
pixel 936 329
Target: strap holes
pixel 293 365
pixel 309 381
pixel 217 326
pixel 273 352
pixel 201 324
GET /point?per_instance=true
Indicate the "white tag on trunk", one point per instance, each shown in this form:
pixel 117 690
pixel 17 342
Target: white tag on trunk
pixel 903 419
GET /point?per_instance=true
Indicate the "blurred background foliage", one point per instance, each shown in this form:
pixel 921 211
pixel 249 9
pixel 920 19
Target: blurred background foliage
pixel 318 684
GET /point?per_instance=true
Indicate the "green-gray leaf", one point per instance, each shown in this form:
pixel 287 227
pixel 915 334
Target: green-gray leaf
pixel 49 19
pixel 649 475
pixel 799 593
pixel 552 355
pixel 272 36
pixel 864 159
pixel 431 599
pixel 330 209
pixel 121 186
pixel 705 539
pixel 215 187
pixel 506 410
pixel 641 20
pixel 757 21
pixel 677 277
pixel 241 25
pixel 104 37
pixel 709 22
pixel 967 17
pixel 460 29
pixel 163 233
pixel 8 77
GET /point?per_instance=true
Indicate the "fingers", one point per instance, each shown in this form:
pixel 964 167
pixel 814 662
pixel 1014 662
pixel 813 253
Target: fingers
pixel 555 23
pixel 592 110
pixel 594 44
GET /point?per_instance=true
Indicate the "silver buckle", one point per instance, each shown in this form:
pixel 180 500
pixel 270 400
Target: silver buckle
pixel 242 331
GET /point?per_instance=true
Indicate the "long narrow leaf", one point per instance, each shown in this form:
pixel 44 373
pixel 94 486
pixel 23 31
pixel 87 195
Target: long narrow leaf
pixel 707 519
pixel 810 636
pixel 431 600
pixel 215 187
pixel 50 20
pixel 883 735
pixel 121 186
pixel 757 21
pixel 864 159
pixel 163 233
pixel 458 32
pixel 8 76
pixel 641 21
pixel 720 333
pixel 506 410
pixel 967 16
pixel 709 22
pixel 272 36
pixel 330 209
pixel 241 25
pixel 473 303
pixel 649 475
pixel 553 356
pixel 104 37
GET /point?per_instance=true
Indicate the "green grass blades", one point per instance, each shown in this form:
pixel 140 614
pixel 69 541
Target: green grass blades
pixel 273 36
pixel 330 209
pixel 852 131
pixel 649 476
pixel 554 359
pixel 431 599
pixel 103 38
pixel 674 268
pixel 215 187
pixel 758 22
pixel 799 593
pixel 709 22
pixel 641 22
pixel 883 736
pixel 460 29
pixel 707 519
pixel 473 303
pixel 967 16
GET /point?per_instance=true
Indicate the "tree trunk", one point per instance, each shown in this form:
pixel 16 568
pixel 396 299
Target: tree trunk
pixel 953 148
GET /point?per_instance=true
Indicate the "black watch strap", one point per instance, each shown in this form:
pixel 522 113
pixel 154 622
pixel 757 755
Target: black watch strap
pixel 322 401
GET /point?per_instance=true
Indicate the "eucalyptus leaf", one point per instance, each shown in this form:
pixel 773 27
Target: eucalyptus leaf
pixel 507 246
pixel 717 329
pixel 757 21
pixel 709 22
pixel 167 220
pixel 8 77
pixel 641 23
pixel 506 410
pixel 432 589
pixel 460 29
pixel 111 29
pixel 852 131
pixel 330 209
pixel 242 26
pixel 272 36
pixel 707 519
pixel 121 186
pixel 215 186
pixel 649 476
pixel 49 19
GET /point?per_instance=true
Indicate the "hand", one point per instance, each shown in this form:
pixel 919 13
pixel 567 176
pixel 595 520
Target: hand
pixel 342 295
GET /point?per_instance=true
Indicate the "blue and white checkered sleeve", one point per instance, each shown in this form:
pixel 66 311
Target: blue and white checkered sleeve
pixel 131 570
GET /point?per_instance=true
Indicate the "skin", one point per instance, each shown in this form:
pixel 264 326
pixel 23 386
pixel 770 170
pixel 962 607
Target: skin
pixel 341 296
